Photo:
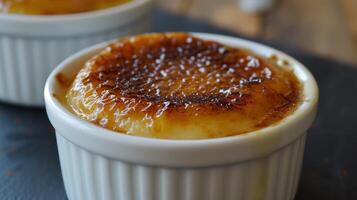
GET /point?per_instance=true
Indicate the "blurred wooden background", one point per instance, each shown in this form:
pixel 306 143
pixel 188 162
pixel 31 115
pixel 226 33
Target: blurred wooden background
pixel 325 27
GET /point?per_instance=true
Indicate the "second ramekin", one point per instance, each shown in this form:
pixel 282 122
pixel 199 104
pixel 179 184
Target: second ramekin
pixel 97 163
pixel 31 46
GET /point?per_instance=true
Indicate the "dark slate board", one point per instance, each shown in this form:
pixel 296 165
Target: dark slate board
pixel 29 167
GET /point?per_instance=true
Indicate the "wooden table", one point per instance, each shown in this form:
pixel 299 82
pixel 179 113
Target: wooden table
pixel 324 27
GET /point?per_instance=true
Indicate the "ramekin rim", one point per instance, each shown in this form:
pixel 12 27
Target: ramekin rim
pixel 306 108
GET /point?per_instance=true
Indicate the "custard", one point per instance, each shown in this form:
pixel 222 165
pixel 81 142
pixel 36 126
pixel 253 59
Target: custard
pixel 178 86
pixel 55 7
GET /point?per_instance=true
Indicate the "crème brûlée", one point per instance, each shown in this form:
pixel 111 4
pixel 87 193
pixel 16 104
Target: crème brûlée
pixel 55 7
pixel 178 86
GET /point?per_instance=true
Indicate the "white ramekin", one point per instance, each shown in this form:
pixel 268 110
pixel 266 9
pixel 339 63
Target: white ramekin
pixel 31 46
pixel 97 163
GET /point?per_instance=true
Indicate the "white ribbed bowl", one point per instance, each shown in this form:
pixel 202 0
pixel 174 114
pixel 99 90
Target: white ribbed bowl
pixel 31 46
pixel 97 163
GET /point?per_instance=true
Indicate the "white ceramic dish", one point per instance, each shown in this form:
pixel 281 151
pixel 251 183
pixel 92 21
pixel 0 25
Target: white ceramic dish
pixel 31 46
pixel 97 163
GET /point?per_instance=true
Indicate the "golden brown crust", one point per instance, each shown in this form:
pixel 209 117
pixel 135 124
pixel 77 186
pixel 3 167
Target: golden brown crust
pixel 179 78
pixel 52 7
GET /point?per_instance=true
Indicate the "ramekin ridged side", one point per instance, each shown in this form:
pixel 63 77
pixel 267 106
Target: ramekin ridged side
pixel 27 58
pixel 98 163
pixel 91 176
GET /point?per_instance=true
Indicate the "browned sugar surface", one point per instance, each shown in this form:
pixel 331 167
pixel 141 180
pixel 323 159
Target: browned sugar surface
pixel 180 77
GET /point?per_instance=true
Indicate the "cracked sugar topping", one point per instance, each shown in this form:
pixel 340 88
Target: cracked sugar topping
pixel 141 80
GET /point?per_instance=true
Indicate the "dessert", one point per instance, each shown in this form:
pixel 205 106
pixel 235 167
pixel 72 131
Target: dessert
pixel 97 84
pixel 178 86
pixel 55 7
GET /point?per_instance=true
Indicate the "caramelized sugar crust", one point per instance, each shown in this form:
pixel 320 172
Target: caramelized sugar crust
pixel 177 86
pixel 52 7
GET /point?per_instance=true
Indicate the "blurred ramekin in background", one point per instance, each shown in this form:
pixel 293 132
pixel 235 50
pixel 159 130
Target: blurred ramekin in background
pixel 31 46
pixel 97 163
